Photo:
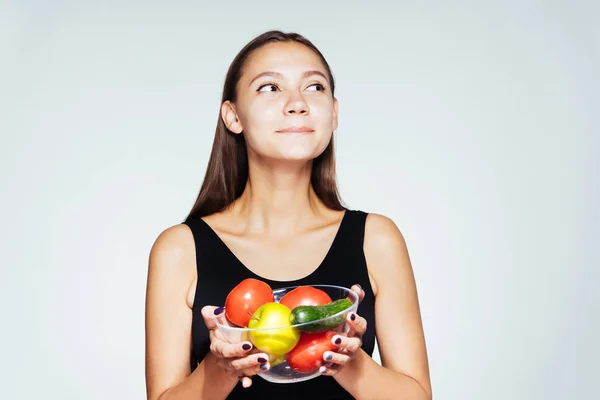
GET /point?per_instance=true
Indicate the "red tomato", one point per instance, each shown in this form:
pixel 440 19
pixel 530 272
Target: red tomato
pixel 245 298
pixel 307 356
pixel 305 296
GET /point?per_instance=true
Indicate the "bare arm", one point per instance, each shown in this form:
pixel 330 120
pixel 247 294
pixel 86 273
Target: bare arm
pixel 404 373
pixel 171 271
pixel 208 381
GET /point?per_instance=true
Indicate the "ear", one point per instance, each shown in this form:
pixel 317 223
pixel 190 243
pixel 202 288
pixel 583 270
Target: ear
pixel 335 113
pixel 230 117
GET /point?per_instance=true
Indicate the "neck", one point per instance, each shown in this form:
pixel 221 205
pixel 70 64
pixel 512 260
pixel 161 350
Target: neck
pixel 278 199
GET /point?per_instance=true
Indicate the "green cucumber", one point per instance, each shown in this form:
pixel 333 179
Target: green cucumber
pixel 305 314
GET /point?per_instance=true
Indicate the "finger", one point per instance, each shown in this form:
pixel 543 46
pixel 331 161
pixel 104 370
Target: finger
pixel 229 350
pixel 246 381
pixel 349 344
pixel 359 291
pixel 257 369
pixel 250 361
pixel 357 325
pixel 209 313
pixel 330 369
pixel 216 334
pixel 336 358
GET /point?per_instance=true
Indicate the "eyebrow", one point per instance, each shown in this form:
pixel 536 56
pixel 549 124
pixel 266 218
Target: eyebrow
pixel 280 76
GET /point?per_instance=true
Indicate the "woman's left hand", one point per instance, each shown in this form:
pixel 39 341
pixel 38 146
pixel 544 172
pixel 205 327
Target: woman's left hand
pixel 347 345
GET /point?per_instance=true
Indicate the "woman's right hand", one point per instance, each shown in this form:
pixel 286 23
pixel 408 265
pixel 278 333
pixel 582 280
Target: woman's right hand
pixel 237 360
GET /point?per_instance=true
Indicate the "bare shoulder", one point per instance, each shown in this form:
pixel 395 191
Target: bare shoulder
pixel 174 240
pixel 382 235
pixel 385 248
pixel 378 224
pixel 173 252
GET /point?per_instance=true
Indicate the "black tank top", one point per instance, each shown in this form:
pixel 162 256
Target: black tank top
pixel 219 270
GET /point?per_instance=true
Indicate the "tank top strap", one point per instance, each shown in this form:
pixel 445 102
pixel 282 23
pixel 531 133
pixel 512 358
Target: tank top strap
pixel 213 260
pixel 353 233
pixel 347 264
pixel 201 235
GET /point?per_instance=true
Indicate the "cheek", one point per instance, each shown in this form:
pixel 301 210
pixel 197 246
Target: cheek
pixel 258 120
pixel 321 111
pixel 261 116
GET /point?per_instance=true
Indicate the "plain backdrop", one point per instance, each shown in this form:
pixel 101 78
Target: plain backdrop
pixel 474 125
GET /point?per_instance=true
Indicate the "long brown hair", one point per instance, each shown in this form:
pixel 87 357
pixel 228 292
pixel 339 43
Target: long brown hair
pixel 227 172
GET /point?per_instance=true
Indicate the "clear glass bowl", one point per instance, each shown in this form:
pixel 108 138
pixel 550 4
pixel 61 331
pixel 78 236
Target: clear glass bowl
pixel 280 371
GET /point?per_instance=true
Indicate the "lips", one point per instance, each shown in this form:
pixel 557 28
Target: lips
pixel 296 129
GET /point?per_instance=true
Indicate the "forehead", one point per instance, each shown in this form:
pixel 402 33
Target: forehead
pixel 288 58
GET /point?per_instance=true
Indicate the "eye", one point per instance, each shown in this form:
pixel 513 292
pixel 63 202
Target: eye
pixel 271 87
pixel 318 87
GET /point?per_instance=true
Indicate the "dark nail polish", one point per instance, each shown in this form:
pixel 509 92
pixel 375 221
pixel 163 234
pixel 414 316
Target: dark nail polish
pixel 263 367
pixel 219 310
pixel 246 346
pixel 353 316
pixel 338 341
pixel 262 360
pixel 329 357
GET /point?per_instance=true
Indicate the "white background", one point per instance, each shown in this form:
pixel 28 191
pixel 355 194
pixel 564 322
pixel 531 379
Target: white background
pixel 475 126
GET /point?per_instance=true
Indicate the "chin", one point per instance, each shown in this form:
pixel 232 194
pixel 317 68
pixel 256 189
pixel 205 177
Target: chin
pixel 295 158
pixel 292 152
pixel 305 150
pixel 300 154
pixel 290 157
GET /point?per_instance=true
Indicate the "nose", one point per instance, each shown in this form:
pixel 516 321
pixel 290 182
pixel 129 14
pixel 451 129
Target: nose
pixel 296 105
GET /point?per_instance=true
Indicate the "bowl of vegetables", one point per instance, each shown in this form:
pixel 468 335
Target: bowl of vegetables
pixel 293 325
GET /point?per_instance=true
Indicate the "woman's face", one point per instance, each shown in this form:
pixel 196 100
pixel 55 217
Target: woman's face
pixel 284 104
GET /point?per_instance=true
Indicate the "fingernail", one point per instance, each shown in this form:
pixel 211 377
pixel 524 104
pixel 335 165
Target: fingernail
pixel 353 316
pixel 262 360
pixel 328 357
pixel 264 367
pixel 219 310
pixel 246 346
pixel 338 340
pixel 360 287
pixel 322 370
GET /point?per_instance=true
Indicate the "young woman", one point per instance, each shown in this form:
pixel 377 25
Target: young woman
pixel 269 209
